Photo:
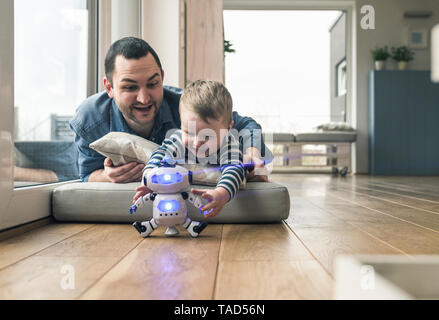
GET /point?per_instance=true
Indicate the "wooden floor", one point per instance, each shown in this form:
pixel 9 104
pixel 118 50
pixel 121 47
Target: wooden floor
pixel 290 260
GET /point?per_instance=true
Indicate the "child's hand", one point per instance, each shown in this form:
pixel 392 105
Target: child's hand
pixel 142 189
pixel 217 199
pixel 140 192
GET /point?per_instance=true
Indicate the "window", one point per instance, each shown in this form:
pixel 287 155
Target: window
pixel 51 71
pixel 279 73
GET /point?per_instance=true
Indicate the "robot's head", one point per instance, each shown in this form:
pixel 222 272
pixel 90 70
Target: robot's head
pixel 167 179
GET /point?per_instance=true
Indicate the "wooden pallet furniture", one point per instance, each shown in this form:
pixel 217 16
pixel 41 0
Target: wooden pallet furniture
pixel 299 152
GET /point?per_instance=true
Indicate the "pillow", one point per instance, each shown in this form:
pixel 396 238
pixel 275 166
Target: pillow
pixel 122 147
pixel 335 126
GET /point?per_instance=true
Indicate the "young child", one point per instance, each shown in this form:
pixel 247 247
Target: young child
pixel 205 137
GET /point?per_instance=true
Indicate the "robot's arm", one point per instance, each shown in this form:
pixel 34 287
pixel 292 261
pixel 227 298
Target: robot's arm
pixel 196 200
pixel 141 201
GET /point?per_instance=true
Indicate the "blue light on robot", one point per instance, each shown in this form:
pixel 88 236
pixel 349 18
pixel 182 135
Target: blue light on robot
pixel 167 178
pixel 205 212
pixel 168 206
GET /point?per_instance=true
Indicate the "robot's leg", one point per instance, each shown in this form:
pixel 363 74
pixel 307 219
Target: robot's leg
pixel 146 227
pixel 194 227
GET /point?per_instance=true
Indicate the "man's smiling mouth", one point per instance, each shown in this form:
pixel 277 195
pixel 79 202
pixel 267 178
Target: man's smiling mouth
pixel 148 108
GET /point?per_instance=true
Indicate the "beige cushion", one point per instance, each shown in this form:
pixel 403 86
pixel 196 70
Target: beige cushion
pixel 323 137
pixel 123 148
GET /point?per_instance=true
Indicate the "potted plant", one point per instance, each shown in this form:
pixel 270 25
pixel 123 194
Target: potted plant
pixel 402 55
pixel 228 47
pixel 380 56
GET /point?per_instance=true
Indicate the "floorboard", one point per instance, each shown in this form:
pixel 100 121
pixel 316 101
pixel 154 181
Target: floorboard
pixel 19 247
pixel 412 199
pixel 84 255
pixel 268 280
pixel 416 216
pixel 268 262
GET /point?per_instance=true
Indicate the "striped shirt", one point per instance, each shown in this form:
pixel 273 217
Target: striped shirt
pixel 228 156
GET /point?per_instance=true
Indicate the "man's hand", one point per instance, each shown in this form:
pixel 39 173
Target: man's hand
pixel 259 172
pixel 130 172
pixel 217 199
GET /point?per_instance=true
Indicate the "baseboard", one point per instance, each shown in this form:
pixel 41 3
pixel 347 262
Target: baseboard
pixel 15 231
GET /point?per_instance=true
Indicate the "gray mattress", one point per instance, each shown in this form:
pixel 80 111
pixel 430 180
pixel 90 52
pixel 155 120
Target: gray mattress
pixel 259 202
pixel 283 137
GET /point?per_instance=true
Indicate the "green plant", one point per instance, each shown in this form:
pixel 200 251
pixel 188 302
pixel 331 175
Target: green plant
pixel 380 54
pixel 228 47
pixel 402 54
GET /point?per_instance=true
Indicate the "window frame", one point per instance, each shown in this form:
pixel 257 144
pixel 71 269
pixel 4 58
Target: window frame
pixel 348 6
pixel 26 204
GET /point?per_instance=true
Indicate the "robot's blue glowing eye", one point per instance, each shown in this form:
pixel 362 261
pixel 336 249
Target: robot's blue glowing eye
pixel 168 178
pixel 168 206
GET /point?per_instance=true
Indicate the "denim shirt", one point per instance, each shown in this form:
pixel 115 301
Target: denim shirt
pixel 99 115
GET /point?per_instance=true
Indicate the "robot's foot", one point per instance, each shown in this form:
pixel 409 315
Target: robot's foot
pixel 144 228
pixel 171 231
pixel 195 228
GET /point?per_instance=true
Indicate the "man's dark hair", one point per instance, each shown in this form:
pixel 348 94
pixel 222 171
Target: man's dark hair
pixel 129 48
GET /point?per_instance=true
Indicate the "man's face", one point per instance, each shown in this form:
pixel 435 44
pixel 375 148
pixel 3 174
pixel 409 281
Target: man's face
pixel 201 138
pixel 137 89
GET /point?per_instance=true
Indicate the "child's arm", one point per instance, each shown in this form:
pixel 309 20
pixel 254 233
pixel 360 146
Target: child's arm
pixel 232 175
pixel 217 197
pixel 232 167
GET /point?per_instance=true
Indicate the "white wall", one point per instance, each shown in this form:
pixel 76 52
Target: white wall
pixel 158 23
pixel 160 28
pixel 125 19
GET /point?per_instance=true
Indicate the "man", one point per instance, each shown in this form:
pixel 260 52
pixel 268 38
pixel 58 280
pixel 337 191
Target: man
pixel 135 101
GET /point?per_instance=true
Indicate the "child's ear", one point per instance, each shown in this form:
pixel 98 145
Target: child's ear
pixel 231 125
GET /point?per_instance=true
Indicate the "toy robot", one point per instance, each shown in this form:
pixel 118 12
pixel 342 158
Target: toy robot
pixel 168 184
